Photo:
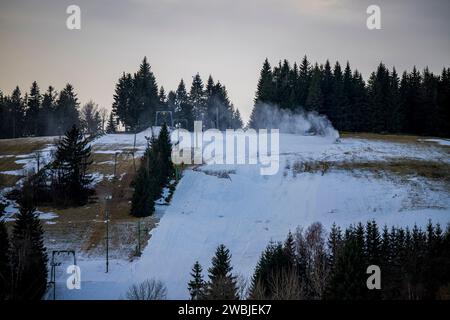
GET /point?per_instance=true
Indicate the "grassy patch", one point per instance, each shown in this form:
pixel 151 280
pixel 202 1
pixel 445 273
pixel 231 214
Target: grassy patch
pixel 403 168
pixel 23 145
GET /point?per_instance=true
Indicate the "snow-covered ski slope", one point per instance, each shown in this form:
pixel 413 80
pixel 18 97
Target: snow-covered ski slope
pixel 236 206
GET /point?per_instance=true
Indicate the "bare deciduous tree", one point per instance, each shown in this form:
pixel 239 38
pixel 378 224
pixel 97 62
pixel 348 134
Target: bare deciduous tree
pixel 148 290
pixel 285 285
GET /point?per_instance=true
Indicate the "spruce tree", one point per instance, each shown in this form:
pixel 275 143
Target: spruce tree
pixel 121 107
pixel 144 98
pixel 72 158
pixel 265 93
pixel 196 285
pixel 197 98
pixel 28 255
pixel 111 126
pixel 67 109
pixel 304 81
pixel 47 116
pixel 222 284
pixel 17 107
pixel 183 109
pixel 165 148
pixel 314 101
pixel 33 110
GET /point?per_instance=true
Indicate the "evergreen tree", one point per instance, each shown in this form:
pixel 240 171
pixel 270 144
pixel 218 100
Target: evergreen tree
pixel 304 81
pixel 111 126
pixel 314 101
pixel 327 88
pixel 337 96
pixel 264 91
pixel 237 120
pixel 142 202
pixel 196 286
pixel 72 158
pixel 33 110
pixel 121 107
pixel 221 284
pixel 197 98
pixel 144 98
pixel 17 111
pixel 165 148
pixel 348 279
pixel 162 98
pixel 47 117
pixel 28 256
pixel 183 109
pixel 67 109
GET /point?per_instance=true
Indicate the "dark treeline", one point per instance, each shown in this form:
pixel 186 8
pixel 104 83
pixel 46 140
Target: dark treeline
pixel 47 114
pixel 312 265
pixel 414 102
pixel 137 100
pixel 414 264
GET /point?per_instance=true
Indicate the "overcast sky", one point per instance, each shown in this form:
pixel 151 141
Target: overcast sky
pixel 226 38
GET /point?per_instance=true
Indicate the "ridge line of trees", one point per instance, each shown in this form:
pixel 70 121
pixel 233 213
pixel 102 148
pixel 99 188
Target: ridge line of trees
pixel 414 102
pixel 49 113
pixel 137 99
pixel 312 264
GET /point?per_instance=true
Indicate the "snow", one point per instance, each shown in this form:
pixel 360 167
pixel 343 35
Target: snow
pixel 247 210
pixel 442 142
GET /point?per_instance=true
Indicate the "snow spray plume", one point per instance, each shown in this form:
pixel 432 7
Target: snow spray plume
pixel 301 122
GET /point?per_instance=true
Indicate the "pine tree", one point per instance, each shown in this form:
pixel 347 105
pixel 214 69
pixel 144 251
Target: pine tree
pixel 196 286
pixel 237 120
pixel 142 202
pixel 183 109
pixel 337 96
pixel 28 256
pixel 111 126
pixel 121 107
pixel 47 116
pixel 144 98
pixel 273 261
pixel 221 284
pixel 162 98
pixel 33 110
pixel 327 88
pixel 17 108
pixel 72 158
pixel 304 81
pixel 67 109
pixel 265 93
pixel 314 101
pixel 197 98
pixel 165 149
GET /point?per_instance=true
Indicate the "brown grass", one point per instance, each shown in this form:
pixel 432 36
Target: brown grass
pixel 23 145
pixel 427 169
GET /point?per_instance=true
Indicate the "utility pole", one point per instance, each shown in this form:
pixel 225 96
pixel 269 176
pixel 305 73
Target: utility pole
pixel 107 198
pixel 115 163
pixel 107 241
pixel 139 237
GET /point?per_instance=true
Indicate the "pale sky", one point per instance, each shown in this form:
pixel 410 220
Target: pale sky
pixel 226 38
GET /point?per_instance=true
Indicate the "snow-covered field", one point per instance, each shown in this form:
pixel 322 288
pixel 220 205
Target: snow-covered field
pixel 236 206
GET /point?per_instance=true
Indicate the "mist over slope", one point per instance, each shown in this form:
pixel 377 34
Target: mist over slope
pixel 270 116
